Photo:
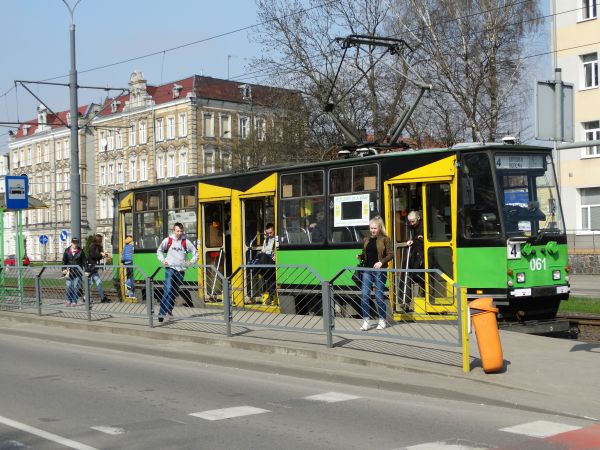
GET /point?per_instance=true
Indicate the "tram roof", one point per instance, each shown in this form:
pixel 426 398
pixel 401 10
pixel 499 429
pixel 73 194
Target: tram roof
pixel 283 167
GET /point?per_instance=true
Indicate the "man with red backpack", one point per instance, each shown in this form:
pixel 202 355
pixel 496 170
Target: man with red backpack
pixel 172 253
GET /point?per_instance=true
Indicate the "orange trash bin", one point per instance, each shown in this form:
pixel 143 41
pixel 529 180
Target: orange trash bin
pixel 483 315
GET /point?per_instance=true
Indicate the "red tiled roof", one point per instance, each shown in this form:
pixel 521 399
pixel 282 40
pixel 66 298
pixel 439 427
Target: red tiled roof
pixel 52 119
pixel 203 87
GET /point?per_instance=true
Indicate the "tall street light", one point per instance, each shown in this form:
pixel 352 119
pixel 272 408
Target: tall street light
pixel 74 126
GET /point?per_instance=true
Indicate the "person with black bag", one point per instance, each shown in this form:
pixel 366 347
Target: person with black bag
pixel 96 255
pixel 417 254
pixel 73 256
pixel 376 253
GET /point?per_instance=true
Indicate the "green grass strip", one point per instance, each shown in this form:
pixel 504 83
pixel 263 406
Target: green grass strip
pixel 580 305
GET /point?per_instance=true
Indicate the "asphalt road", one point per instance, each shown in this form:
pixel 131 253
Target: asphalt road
pixel 57 395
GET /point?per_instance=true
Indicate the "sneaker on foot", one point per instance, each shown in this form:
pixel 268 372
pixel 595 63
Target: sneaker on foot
pixel 67 304
pixel 381 325
pixel 365 325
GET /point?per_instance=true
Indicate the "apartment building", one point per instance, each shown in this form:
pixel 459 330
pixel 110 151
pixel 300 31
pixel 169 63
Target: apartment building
pixel 577 31
pixel 41 149
pixel 153 134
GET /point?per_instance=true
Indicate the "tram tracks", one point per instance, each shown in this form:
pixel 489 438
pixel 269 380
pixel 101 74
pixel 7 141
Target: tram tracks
pixel 588 326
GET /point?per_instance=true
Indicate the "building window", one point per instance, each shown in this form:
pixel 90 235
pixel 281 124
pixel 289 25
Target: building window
pixel 160 167
pixel 171 127
pixel 225 160
pixel 259 127
pixel 182 124
pixel 225 126
pixel 67 179
pixel 120 173
pixel 59 181
pixel 143 133
pixel 590 70
pixel 592 133
pixel 143 169
pixel 15 159
pixel 103 207
pixel 39 153
pixel 183 163
pixel 46 183
pixel 160 134
pixel 133 170
pixel 119 136
pixel 132 134
pixel 58 150
pixel 111 140
pixel 111 174
pixel 590 208
pixel 102 175
pixel 29 156
pixel 243 127
pixel 588 9
pixel 171 165
pixel 67 149
pixel 59 213
pixel 208 155
pixel 208 125
pixel 46 152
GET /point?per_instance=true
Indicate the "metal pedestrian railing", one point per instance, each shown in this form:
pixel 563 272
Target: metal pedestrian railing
pixel 416 306
pixel 583 241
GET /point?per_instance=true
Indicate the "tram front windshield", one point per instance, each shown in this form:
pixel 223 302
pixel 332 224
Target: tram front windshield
pixel 528 195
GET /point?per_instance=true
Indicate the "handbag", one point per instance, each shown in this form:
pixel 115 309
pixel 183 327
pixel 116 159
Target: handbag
pixel 357 275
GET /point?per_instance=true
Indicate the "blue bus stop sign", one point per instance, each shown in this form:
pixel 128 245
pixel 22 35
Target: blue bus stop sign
pixel 43 239
pixel 63 235
pixel 17 192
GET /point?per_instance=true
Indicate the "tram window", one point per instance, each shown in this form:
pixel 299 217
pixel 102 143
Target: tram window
pixel 438 212
pixel 364 178
pixel 340 180
pixel 213 225
pixel 154 200
pixel 290 185
pixel 303 218
pixel 181 207
pixel 480 218
pixel 149 229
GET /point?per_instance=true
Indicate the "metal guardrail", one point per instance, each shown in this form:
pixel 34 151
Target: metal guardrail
pixel 282 297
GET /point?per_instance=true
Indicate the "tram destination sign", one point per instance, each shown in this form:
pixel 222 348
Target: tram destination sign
pixel 512 162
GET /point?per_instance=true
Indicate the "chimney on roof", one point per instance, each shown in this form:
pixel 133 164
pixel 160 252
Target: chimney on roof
pixel 246 91
pixel 177 90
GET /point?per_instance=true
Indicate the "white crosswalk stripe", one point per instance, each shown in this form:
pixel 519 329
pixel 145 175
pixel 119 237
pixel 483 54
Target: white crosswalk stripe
pixel 331 397
pixel 229 413
pixel 540 428
pixel 109 430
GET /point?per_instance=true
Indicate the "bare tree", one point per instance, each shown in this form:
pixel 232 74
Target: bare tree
pixel 471 51
pixel 300 51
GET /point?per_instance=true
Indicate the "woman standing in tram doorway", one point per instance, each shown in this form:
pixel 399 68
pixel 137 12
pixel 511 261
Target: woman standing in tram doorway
pixel 376 253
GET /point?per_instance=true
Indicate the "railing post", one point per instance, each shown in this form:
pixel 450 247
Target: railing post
pixel 87 296
pixel 38 292
pixel 227 312
pixel 327 313
pixel 149 301
pixel 463 325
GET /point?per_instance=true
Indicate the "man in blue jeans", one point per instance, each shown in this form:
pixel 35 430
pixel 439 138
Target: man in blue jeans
pixel 172 253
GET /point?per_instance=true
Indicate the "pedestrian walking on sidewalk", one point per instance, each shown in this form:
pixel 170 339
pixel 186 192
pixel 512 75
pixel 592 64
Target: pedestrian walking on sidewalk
pixel 96 255
pixel 172 253
pixel 127 260
pixel 73 256
pixel 376 253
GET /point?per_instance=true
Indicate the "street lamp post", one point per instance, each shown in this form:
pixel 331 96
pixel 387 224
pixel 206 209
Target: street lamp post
pixel 74 126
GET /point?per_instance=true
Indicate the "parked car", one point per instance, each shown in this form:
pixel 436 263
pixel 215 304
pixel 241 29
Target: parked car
pixel 11 260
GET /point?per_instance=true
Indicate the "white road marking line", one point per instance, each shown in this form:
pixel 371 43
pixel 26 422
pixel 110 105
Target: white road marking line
pixel 331 397
pixel 44 434
pixel 540 428
pixel 109 430
pixel 442 446
pixel 229 413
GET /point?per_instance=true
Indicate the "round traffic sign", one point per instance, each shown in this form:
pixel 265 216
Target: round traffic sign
pixel 63 235
pixel 43 239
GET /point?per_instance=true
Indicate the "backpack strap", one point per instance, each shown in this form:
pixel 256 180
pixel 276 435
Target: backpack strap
pixel 170 242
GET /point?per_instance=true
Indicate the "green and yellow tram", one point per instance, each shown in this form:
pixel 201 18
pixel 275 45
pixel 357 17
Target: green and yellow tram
pixel 491 214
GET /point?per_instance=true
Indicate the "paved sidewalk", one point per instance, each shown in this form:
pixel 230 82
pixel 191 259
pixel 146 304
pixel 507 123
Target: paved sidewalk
pixel 542 374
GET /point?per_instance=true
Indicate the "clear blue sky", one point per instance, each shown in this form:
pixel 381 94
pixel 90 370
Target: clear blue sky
pixel 35 40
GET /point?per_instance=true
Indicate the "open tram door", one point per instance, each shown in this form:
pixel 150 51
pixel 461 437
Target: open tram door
pixel 125 224
pixel 435 199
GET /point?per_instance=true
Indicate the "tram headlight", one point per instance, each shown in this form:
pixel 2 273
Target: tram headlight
pixel 556 274
pixel 510 283
pixel 520 277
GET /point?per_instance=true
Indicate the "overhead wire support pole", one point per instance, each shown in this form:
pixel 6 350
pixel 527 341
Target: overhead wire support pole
pixel 74 124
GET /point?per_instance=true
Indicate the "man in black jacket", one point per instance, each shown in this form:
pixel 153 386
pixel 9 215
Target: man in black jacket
pixel 73 256
pixel 97 254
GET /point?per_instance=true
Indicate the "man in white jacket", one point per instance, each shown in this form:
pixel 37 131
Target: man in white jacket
pixel 172 253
